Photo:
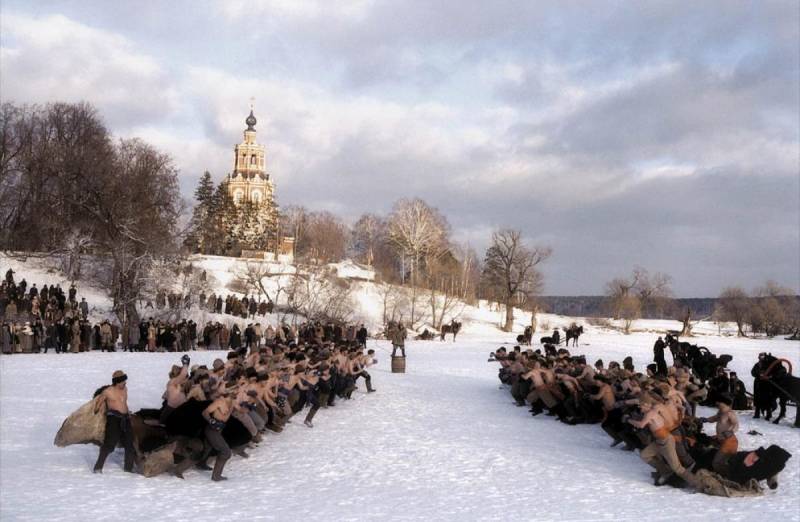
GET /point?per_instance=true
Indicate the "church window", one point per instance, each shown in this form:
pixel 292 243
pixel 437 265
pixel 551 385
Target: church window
pixel 237 196
pixel 256 197
pixel 253 160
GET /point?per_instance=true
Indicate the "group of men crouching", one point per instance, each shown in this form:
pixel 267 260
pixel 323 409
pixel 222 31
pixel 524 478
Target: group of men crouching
pixel 652 412
pixel 261 390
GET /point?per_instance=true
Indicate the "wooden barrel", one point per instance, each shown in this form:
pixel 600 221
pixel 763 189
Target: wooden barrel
pixel 398 365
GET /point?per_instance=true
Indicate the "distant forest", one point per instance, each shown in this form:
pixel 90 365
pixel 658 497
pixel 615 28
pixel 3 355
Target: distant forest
pixel 598 306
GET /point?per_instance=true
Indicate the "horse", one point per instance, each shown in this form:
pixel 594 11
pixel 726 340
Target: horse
pixel 573 332
pixel 783 384
pixel 454 327
pixel 525 337
pixel 704 364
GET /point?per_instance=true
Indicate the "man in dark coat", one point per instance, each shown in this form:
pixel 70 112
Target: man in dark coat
pixel 361 336
pixel 737 391
pixel 658 357
pixel 764 400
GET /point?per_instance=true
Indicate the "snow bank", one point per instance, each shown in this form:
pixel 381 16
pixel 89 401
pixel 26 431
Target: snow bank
pixel 441 442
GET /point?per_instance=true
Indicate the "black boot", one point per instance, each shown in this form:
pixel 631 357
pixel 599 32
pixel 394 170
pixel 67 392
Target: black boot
pixel 216 475
pixel 101 459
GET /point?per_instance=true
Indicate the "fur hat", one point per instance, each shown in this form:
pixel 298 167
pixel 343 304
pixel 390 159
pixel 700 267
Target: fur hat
pixel 118 377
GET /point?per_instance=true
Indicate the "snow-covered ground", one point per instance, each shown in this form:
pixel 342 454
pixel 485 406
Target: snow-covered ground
pixel 440 442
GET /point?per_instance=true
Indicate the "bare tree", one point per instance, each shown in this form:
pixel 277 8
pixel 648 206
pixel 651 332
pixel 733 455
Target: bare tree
pixel 294 222
pixel 735 307
pixel 445 288
pixel 391 301
pixel 76 245
pixel 470 272
pixel 630 309
pixel 419 234
pixel 510 269
pixel 684 315
pixel 122 197
pixel 321 296
pixel 326 238
pixel 776 304
pixel 368 233
pixel 263 280
pixel 654 291
pixel 618 290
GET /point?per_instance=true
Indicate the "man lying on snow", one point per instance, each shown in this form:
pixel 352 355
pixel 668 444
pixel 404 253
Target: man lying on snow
pixel 219 411
pixel 651 412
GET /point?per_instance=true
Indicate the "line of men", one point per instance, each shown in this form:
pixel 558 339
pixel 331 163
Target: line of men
pixel 244 307
pixel 261 388
pixel 75 334
pixel 36 320
pixel 653 412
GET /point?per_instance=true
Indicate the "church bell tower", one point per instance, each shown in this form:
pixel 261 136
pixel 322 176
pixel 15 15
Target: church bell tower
pixel 249 181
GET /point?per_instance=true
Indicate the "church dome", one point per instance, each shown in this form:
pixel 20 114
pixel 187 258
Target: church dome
pixel 251 121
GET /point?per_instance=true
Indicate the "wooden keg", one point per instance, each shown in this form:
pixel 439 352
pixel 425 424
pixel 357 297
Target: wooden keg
pixel 398 365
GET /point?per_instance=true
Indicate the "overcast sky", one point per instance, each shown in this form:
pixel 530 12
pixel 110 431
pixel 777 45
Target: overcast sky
pixel 621 134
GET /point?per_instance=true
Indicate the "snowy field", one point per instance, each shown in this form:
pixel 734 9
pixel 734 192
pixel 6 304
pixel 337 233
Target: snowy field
pixel 441 442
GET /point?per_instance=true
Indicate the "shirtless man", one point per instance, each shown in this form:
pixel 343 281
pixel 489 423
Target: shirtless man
pixel 323 390
pixel 359 368
pixel 694 394
pixel 586 377
pixel 516 368
pixel 540 391
pixel 243 404
pixel 174 394
pixel 612 415
pixel 727 426
pixel 197 391
pixel 307 383
pixel 549 377
pixel 118 426
pixel 216 415
pixel 661 453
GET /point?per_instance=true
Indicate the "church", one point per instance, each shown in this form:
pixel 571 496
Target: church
pixel 249 181
pixel 244 219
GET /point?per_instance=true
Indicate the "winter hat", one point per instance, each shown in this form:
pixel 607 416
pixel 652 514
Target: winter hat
pixel 118 377
pixel 724 398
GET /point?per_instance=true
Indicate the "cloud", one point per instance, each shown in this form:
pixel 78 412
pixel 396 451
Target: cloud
pixel 662 135
pixel 54 57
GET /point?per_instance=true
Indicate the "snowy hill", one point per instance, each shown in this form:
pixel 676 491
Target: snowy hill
pixel 369 298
